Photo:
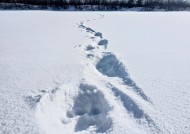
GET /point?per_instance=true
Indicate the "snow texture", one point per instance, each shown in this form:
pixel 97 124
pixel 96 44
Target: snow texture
pixel 66 76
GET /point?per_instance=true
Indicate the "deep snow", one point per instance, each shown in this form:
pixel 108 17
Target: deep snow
pixel 94 72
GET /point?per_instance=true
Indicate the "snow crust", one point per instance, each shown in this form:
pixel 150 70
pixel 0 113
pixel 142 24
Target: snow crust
pixel 94 72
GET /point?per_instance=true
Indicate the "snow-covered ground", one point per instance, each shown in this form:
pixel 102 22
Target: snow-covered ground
pixel 94 72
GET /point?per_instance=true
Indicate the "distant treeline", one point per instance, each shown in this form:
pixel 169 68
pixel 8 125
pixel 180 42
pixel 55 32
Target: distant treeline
pixel 107 4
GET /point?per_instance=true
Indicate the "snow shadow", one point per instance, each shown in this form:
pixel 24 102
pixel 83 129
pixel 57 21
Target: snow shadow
pixel 88 29
pixel 32 100
pixel 110 66
pixel 89 47
pixel 90 55
pixel 92 109
pixel 131 107
pixel 103 42
pixel 98 34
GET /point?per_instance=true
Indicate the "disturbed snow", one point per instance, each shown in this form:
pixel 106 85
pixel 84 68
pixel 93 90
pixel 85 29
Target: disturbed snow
pixel 79 88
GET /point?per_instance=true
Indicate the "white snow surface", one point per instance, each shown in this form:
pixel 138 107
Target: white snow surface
pixel 94 72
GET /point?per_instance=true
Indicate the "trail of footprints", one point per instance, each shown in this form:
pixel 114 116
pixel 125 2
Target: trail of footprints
pixel 90 106
pixel 110 66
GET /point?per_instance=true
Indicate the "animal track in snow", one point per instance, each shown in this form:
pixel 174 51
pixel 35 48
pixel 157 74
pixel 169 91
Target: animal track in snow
pixel 86 107
pixel 98 34
pixel 110 66
pixel 135 110
pixel 131 106
pixel 103 42
pixel 88 29
pixel 92 109
pixel 89 47
pixel 32 100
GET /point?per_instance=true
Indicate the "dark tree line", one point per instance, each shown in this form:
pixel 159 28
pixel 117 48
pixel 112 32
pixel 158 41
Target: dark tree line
pixel 108 4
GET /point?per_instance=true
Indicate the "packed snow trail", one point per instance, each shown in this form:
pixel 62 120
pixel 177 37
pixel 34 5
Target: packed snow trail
pixel 106 100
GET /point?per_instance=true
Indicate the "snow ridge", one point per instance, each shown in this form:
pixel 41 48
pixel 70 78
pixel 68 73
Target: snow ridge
pixel 106 100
